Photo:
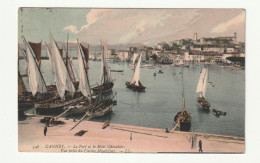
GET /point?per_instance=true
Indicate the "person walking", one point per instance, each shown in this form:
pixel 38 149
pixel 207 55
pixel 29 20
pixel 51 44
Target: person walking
pixel 200 146
pixel 45 130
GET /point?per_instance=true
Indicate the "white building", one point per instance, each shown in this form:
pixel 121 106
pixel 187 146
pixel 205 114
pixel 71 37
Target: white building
pixel 110 53
pixel 122 55
pixel 195 48
pixel 214 49
pixel 230 50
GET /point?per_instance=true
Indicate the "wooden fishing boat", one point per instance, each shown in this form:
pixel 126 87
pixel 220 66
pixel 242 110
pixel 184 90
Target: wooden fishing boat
pixel 104 88
pixel 117 70
pixel 202 88
pixel 135 83
pixel 40 93
pixel 96 107
pixel 106 80
pixel 100 109
pixel 64 84
pixel 105 125
pixel 57 107
pixel 218 112
pixel 203 103
pixel 183 118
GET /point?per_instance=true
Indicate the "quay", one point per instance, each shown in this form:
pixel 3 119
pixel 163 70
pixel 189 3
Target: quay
pixel 118 138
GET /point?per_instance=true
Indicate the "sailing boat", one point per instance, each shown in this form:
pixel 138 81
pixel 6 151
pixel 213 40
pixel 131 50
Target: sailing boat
pixel 106 79
pixel 95 107
pixel 40 93
pixel 135 83
pixel 183 118
pixel 202 88
pixel 69 65
pixel 64 83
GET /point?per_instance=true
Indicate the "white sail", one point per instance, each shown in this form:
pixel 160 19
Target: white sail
pixel 134 58
pixel 205 84
pixel 51 60
pixel 36 80
pixel 83 82
pixel 201 79
pixel 63 80
pixel 105 74
pixel 136 76
pixel 73 69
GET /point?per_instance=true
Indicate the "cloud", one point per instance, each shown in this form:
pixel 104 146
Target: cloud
pixel 234 21
pixel 94 16
pixel 71 28
pixel 150 26
pixel 133 25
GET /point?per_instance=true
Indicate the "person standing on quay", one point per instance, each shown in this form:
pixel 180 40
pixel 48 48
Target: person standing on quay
pixel 200 146
pixel 45 130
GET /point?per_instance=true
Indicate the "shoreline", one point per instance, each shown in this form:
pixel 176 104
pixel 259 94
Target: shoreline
pixel 118 138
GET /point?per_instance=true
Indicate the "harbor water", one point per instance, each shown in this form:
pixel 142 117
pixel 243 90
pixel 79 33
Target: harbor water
pixel 162 99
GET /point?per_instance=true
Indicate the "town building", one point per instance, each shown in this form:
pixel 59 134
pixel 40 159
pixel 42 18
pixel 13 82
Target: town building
pixel 122 55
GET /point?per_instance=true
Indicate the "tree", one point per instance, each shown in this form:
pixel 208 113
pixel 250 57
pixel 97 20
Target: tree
pixel 154 57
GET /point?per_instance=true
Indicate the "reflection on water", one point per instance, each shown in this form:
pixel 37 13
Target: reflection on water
pixel 157 106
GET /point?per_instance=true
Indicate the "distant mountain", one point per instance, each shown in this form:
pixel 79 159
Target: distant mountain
pixel 92 47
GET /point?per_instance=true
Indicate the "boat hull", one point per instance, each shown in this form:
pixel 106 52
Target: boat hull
pixel 101 111
pixel 56 108
pixel 77 111
pixel 185 126
pixel 218 112
pixel 104 88
pixel 183 119
pixel 28 102
pixel 134 87
pixel 203 104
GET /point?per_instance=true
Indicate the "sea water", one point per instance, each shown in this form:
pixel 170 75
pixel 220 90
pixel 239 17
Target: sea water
pixel 162 99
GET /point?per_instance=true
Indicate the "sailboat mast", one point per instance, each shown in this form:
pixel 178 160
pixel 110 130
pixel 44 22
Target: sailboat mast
pixel 103 60
pixel 67 51
pixel 183 98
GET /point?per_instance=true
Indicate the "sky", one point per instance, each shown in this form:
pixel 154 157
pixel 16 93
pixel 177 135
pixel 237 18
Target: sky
pixel 123 26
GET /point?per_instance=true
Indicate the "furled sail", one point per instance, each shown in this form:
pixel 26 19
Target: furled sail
pixel 37 49
pixel 136 76
pixel 36 81
pixel 205 84
pixel 135 56
pixel 21 85
pixel 84 82
pixel 105 75
pixel 63 80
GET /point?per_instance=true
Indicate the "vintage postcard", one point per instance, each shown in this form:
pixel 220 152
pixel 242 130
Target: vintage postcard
pixel 107 80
